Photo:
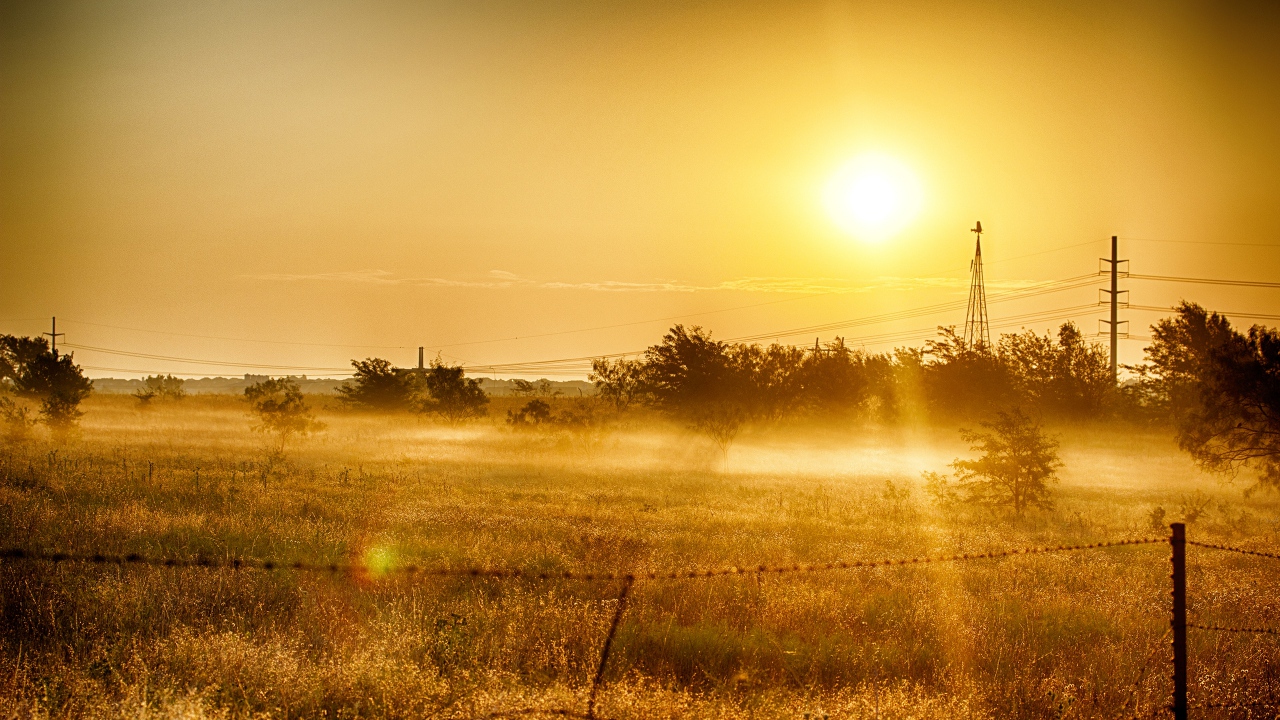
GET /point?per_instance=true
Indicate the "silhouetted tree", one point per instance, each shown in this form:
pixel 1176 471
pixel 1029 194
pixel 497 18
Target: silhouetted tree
pixel 446 392
pixel 959 381
pixel 1066 376
pixel 620 382
pixel 1221 388
pixel 31 370
pixel 281 409
pixel 701 382
pixel 535 413
pixel 770 379
pixel 379 385
pixel 1017 464
pixel 160 386
pixel 837 379
pixel 541 388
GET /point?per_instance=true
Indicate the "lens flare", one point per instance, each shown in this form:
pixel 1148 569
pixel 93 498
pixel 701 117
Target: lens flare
pixel 378 561
pixel 873 198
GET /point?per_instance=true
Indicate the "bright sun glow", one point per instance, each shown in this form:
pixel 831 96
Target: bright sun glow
pixel 873 197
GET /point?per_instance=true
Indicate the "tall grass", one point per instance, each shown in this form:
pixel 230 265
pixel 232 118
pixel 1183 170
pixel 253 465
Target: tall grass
pixel 1073 635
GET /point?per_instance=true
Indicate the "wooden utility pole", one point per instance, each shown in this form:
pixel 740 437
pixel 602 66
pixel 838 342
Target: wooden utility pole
pixel 53 337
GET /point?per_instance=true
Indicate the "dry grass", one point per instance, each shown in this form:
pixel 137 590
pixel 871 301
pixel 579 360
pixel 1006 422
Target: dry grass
pixel 1072 635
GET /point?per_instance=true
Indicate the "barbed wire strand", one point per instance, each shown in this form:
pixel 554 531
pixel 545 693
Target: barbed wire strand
pixel 524 712
pixel 516 573
pixel 1228 706
pixel 608 645
pixel 1229 548
pixel 1224 628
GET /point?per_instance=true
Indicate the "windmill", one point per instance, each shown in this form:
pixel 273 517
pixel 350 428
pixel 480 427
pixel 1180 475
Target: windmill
pixel 977 333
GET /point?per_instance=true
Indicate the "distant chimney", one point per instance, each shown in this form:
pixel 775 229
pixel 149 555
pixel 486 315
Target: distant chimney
pixel 420 365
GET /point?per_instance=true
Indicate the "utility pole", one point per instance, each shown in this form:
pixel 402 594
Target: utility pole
pixel 1114 298
pixel 421 367
pixel 53 337
pixel 977 333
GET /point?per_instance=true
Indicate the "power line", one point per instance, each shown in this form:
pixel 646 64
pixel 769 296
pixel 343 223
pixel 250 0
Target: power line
pixel 516 337
pixel 1206 281
pixel 739 307
pixel 1160 308
pixel 1202 242
pixel 219 337
pixel 198 361
pixel 165 372
pixel 1051 286
pixel 566 364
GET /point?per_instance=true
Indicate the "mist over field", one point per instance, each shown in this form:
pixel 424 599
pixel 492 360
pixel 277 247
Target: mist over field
pixel 1083 633
pixel 820 360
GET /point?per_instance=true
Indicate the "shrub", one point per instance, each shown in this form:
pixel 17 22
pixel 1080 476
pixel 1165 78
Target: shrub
pixel 534 414
pixel 30 369
pixel 379 385
pixel 281 409
pixel 160 386
pixel 1017 464
pixel 1221 388
pixel 447 392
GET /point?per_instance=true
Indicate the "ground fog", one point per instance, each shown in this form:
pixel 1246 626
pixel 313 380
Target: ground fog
pixel 1069 635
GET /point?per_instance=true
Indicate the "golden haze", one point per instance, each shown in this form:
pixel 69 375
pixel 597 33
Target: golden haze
pixel 408 174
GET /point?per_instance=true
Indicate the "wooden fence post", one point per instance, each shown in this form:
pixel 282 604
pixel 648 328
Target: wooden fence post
pixel 1178 542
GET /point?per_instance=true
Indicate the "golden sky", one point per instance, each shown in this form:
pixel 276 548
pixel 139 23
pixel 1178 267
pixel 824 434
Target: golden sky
pixel 446 174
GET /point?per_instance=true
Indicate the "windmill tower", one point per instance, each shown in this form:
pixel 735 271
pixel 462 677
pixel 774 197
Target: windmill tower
pixel 977 334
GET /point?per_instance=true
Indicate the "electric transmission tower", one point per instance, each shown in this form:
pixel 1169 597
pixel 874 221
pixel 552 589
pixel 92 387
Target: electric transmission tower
pixel 977 333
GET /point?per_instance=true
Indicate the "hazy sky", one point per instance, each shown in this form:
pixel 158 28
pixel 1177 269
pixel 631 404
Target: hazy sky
pixel 439 174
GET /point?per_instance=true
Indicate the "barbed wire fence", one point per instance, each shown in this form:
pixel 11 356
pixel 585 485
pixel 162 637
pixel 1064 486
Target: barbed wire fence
pixel 1179 624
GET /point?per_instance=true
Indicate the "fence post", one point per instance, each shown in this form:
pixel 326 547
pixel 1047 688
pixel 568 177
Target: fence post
pixel 1178 543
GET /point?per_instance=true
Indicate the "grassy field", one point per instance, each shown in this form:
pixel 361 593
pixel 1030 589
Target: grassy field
pixel 1072 635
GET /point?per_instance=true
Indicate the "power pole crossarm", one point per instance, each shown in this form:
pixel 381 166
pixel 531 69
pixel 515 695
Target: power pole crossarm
pixel 53 337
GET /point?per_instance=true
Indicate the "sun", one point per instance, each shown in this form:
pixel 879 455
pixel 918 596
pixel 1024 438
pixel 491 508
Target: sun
pixel 873 197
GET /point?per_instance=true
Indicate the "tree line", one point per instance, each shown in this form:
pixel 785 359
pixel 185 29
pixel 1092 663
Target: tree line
pixel 1217 386
pixel 717 387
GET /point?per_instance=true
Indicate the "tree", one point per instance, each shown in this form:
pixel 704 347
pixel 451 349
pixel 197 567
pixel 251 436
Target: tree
pixel 542 388
pixel 32 371
pixel 1065 376
pixel 160 386
pixel 839 379
pixel 15 416
pixel 620 382
pixel 1221 388
pixel 1017 464
pixel 281 409
pixel 704 382
pixel 960 381
pixel 448 393
pixel 535 413
pixel 379 385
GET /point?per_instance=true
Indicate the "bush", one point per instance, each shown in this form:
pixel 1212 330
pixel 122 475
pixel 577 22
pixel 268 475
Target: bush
pixel 535 413
pixel 1017 464
pixel 30 370
pixel 447 392
pixel 1221 388
pixel 281 409
pixel 160 386
pixel 379 385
